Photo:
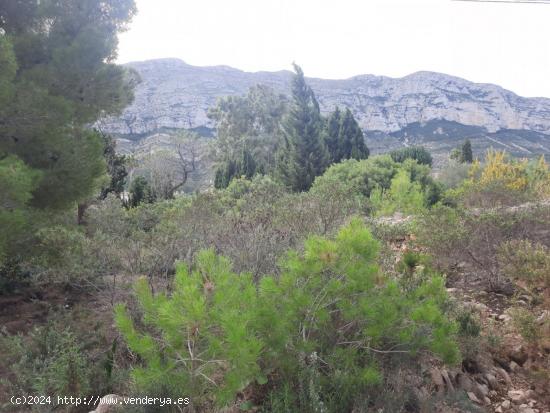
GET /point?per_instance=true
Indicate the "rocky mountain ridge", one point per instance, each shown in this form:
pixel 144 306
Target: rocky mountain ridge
pixel 174 95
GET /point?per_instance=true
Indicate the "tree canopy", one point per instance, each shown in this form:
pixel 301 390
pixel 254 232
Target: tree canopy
pixel 303 154
pixel 57 77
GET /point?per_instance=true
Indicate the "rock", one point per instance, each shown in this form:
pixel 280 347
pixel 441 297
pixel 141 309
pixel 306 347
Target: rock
pixel 498 409
pixel 448 380
pixel 107 404
pixel 464 382
pixel 543 318
pixel 471 366
pixel 506 404
pixel 519 355
pixel 514 366
pixel 504 317
pixel 176 95
pixel 502 363
pixel 526 409
pixel 517 396
pixel 483 389
pixel 437 379
pixel 492 380
pixel 473 397
pixel 502 373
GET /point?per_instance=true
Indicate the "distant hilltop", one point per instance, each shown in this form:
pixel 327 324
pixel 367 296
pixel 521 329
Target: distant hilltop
pixel 176 95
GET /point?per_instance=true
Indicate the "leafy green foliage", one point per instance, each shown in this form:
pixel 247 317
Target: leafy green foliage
pixel 464 153
pixel 479 238
pixel 526 261
pixel 319 326
pixel 245 167
pixel 47 362
pixel 17 182
pixel 57 76
pixel 418 153
pixel 206 332
pixel 344 138
pixel 140 192
pixel 303 154
pixel 250 122
pixel 403 196
pixel 116 168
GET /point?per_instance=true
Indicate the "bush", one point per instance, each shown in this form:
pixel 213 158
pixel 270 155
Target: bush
pixel 418 153
pixel 403 196
pixel 526 261
pixel 48 362
pixel 525 324
pixel 318 333
pixel 502 181
pixel 454 236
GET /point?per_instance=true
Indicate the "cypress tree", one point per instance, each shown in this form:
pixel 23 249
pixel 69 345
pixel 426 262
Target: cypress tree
pixel 467 155
pixel 246 166
pixel 351 139
pixel 332 137
pixel 303 155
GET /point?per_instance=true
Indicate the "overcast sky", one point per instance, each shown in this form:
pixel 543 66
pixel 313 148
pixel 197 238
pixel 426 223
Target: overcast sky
pixel 506 44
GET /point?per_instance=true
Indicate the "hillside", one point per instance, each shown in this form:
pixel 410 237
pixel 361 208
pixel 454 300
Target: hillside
pixel 424 107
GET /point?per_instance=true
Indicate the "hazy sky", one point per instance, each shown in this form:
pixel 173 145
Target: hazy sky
pixel 506 44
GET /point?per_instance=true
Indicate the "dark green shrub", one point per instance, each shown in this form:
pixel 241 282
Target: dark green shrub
pixel 323 327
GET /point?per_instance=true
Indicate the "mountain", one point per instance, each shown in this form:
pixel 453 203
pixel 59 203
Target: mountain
pixel 421 107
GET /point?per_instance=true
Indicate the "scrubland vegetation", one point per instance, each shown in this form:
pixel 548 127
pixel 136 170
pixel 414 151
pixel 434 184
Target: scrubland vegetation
pixel 309 277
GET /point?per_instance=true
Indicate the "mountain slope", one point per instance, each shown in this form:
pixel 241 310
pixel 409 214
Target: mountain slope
pixel 422 108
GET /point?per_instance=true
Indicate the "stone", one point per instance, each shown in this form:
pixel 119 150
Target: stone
pixel 506 404
pixel 483 389
pixel 519 355
pixel 498 409
pixel 464 382
pixel 437 379
pixel 526 409
pixel 505 376
pixel 514 366
pixel 473 397
pixel 492 380
pixel 448 380
pixel 517 396
pixel 504 317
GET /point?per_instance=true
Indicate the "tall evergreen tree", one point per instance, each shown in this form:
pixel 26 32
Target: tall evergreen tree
pixel 246 166
pixel 303 154
pixel 332 135
pixel 352 142
pixel 467 155
pixel 57 76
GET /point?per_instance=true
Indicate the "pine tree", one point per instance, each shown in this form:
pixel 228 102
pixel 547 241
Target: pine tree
pixel 303 155
pixel 57 76
pixel 332 135
pixel 466 152
pixel 351 139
